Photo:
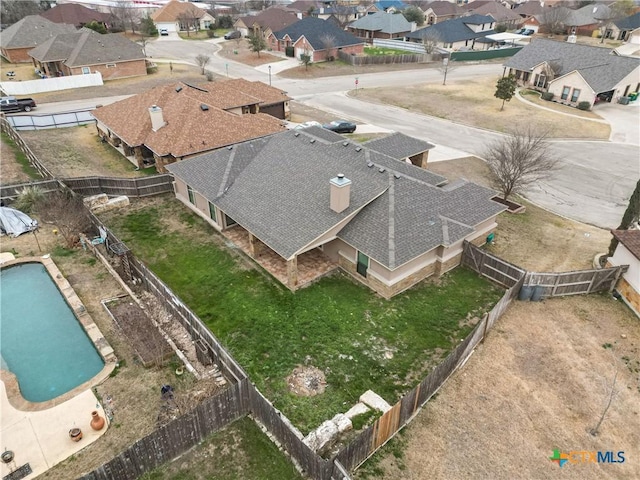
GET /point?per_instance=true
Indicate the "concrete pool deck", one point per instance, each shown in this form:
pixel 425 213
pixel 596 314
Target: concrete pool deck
pixel 41 438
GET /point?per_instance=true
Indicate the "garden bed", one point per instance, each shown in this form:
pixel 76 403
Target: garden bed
pixel 512 207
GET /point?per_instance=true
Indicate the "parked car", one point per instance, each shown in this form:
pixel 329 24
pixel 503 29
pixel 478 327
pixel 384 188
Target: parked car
pixel 310 123
pixel 164 32
pixel 528 31
pixel 13 104
pixel 340 126
pixel 232 35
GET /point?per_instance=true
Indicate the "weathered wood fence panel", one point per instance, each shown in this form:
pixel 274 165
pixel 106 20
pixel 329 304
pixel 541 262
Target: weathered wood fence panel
pixel 131 187
pixel 381 59
pixel 177 437
pixel 10 192
pixel 490 266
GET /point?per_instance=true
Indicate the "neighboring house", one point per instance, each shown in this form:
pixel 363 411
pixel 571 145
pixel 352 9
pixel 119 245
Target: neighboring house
pixel 341 15
pixel 318 38
pixel 21 37
pixel 390 6
pixel 440 11
pixel 178 16
pixel 575 73
pixel 587 19
pixel 501 14
pixel 74 14
pixel 264 23
pixel 305 194
pixel 628 253
pixel 459 33
pixel 528 9
pixel 381 25
pixel 173 122
pixel 623 29
pixel 86 51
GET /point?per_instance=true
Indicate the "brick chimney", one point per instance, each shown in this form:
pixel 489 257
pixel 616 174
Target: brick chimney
pixel 157 120
pixel 340 193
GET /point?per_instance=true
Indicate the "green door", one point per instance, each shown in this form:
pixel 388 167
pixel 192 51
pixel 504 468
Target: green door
pixel 363 264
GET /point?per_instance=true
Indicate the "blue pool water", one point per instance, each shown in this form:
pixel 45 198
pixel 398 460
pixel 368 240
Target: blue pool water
pixel 41 340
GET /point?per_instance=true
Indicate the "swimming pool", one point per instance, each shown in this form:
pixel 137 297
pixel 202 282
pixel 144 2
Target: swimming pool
pixel 41 341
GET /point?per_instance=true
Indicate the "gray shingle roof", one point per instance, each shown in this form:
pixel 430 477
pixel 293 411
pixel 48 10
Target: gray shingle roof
pixel 455 30
pixel 399 146
pixel 600 68
pixel 382 22
pixel 629 23
pixel 31 31
pixel 277 187
pixel 87 47
pixel 588 15
pixel 314 30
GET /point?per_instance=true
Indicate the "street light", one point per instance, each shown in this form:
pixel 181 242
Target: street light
pixel 269 75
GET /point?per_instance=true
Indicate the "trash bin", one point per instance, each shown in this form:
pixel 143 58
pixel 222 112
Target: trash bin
pixel 536 296
pixel 623 100
pixel 633 96
pixel 525 293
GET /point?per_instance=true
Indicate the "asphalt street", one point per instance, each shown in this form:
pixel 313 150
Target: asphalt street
pixel 593 184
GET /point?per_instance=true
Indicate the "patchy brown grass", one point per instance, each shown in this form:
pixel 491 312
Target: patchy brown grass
pixel 471 102
pixel 240 51
pixel 78 152
pixel 10 170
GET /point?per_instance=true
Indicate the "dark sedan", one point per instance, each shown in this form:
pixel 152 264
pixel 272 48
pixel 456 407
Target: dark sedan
pixel 340 126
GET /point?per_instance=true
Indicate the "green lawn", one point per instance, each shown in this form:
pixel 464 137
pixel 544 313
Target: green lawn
pixel 241 450
pixel 375 51
pixel 358 339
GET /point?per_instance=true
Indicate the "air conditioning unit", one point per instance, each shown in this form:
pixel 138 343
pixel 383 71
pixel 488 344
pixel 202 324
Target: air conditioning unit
pixel 571 39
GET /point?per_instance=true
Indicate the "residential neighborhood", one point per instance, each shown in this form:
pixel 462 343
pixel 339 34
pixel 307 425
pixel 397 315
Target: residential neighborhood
pixel 319 239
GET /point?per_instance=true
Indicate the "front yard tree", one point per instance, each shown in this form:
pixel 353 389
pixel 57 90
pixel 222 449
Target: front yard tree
pixel 430 40
pixel 305 59
pixel 329 43
pixel 96 27
pixel 202 60
pixel 257 43
pixel 519 159
pixel 414 14
pixel 554 18
pixel 505 88
pixel 148 27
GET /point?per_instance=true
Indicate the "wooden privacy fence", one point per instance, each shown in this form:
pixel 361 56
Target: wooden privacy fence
pixel 10 192
pixel 6 127
pixel 365 444
pixel 540 285
pixel 381 59
pixel 131 187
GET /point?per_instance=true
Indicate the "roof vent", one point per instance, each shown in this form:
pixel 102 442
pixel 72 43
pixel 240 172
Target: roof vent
pixel 431 221
pixel 204 107
pixel 358 148
pixel 178 89
pixel 313 140
pixel 230 147
pixel 396 176
pixel 296 134
pixel 344 144
pixel 381 169
pixel 369 164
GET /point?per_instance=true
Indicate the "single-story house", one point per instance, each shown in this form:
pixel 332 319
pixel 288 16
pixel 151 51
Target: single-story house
pixel 501 14
pixel 390 6
pixel 265 22
pixel 86 51
pixel 381 25
pixel 75 14
pixel 623 29
pixel 178 16
pixel 341 15
pixel 528 9
pixel 441 10
pixel 17 40
pixel 575 73
pixel 628 253
pixel 176 121
pixel 456 34
pixel 311 194
pixel 318 38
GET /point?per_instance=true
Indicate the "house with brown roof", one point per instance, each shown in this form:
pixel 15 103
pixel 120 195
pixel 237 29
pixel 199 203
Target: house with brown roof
pixel 177 121
pixel 178 16
pixel 21 37
pixel 441 10
pixel 501 14
pixel 75 14
pixel 628 253
pixel 303 203
pixel 264 23
pixel 87 51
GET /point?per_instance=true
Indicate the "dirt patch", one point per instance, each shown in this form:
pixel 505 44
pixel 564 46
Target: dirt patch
pixel 306 381
pixel 10 170
pixel 536 384
pixel 240 51
pixel 471 102
pixel 78 152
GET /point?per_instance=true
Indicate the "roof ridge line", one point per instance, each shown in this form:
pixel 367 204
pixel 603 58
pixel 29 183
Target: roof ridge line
pixel 227 172
pixel 392 223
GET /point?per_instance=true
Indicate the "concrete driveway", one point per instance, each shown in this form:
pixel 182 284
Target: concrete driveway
pixel 624 121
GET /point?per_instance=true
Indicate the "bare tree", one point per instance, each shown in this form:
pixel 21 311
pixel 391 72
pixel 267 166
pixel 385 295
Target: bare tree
pixel 328 41
pixel 126 15
pixel 12 11
pixel 188 21
pixel 430 40
pixel 519 159
pixel 611 392
pixel 202 60
pixel 554 19
pixel 67 212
